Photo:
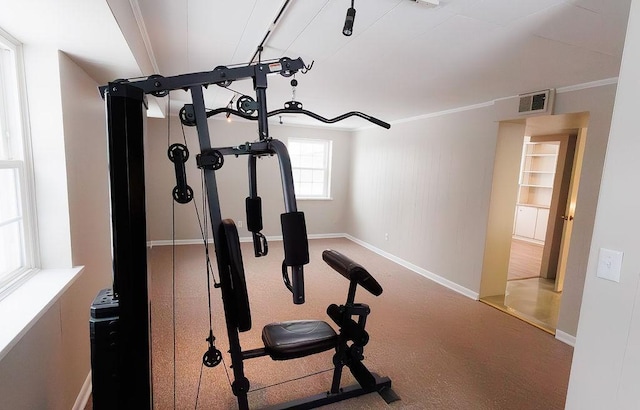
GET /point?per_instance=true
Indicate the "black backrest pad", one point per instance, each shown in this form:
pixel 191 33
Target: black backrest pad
pixel 240 299
pixel 352 271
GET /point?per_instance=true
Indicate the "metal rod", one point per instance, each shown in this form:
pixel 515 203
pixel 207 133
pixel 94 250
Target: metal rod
pixel 270 30
pixel 308 113
pixel 158 85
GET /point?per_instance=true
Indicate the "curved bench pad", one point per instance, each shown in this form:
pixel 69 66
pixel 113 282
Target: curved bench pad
pixel 352 271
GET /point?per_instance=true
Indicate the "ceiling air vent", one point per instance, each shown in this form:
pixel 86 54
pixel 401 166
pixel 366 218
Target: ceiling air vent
pixel 539 102
pixel 429 3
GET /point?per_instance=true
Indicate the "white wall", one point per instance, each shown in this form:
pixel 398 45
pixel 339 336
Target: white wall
pixel 606 364
pixel 48 366
pixel 427 183
pixel 322 217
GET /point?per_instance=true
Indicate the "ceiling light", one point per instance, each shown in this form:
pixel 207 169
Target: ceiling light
pixel 348 21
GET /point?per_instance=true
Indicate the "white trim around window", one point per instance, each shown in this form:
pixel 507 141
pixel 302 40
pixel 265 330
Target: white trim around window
pixel 17 207
pixel 311 167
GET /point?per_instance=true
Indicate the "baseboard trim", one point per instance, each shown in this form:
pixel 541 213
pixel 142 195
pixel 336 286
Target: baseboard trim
pixel 327 235
pixel 168 242
pixel 83 396
pixel 420 271
pixel 566 338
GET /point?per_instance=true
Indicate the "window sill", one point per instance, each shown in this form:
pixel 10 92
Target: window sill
pixel 20 310
pixel 313 199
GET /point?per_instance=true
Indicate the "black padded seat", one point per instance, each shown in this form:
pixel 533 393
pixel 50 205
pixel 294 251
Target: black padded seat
pixel 297 338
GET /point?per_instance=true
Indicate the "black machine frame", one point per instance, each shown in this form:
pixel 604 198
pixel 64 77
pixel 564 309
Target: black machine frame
pixel 125 105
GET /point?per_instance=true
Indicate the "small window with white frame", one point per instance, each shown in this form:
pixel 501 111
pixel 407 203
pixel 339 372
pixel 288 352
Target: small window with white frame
pixel 311 167
pixel 16 238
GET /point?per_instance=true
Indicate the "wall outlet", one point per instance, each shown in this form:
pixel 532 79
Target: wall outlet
pixel 386 236
pixel 240 224
pixel 609 264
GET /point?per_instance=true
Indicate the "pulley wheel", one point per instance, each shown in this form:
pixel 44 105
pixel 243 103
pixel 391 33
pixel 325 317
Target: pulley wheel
pixel 187 119
pixel 158 83
pixel 224 83
pixel 218 160
pixel 212 357
pixel 243 105
pixel 178 147
pixel 286 63
pixel 182 197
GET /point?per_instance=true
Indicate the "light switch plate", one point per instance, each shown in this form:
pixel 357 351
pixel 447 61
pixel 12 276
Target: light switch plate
pixel 609 264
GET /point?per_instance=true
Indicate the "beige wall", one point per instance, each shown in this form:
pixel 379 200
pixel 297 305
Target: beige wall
pixel 599 102
pixel 47 368
pixel 47 136
pixel 88 193
pixel 606 364
pixel 427 183
pixel 322 217
pixel 504 194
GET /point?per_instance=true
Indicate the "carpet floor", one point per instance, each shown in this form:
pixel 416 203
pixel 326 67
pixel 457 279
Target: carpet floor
pixel 441 350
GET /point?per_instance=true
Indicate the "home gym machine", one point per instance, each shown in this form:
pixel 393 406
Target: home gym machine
pixel 120 316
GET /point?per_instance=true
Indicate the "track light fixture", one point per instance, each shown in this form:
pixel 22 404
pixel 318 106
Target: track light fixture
pixel 348 21
pixel 230 106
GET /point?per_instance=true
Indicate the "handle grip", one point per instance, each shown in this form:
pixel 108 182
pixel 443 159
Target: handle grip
pixel 379 122
pixel 182 192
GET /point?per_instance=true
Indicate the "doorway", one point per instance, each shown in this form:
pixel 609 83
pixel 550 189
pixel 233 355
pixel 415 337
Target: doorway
pixel 523 270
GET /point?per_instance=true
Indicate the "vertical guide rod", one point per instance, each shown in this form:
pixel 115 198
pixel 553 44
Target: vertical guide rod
pixel 240 385
pixel 209 175
pixel 260 85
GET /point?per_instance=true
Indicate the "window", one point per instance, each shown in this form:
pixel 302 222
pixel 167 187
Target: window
pixel 16 249
pixel 311 166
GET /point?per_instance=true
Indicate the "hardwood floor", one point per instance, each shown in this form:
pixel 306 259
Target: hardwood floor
pixel 525 260
pixel 532 300
pixel 527 296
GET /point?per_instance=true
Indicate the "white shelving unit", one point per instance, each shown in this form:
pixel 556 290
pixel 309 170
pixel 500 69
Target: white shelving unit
pixel 537 173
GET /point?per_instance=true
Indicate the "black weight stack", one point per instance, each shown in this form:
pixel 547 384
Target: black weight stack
pixel 103 324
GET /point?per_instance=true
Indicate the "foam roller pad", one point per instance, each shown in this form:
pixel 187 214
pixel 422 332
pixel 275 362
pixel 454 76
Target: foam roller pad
pixel 294 237
pixel 254 214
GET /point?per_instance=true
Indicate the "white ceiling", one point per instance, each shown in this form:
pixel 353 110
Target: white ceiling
pixel 403 60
